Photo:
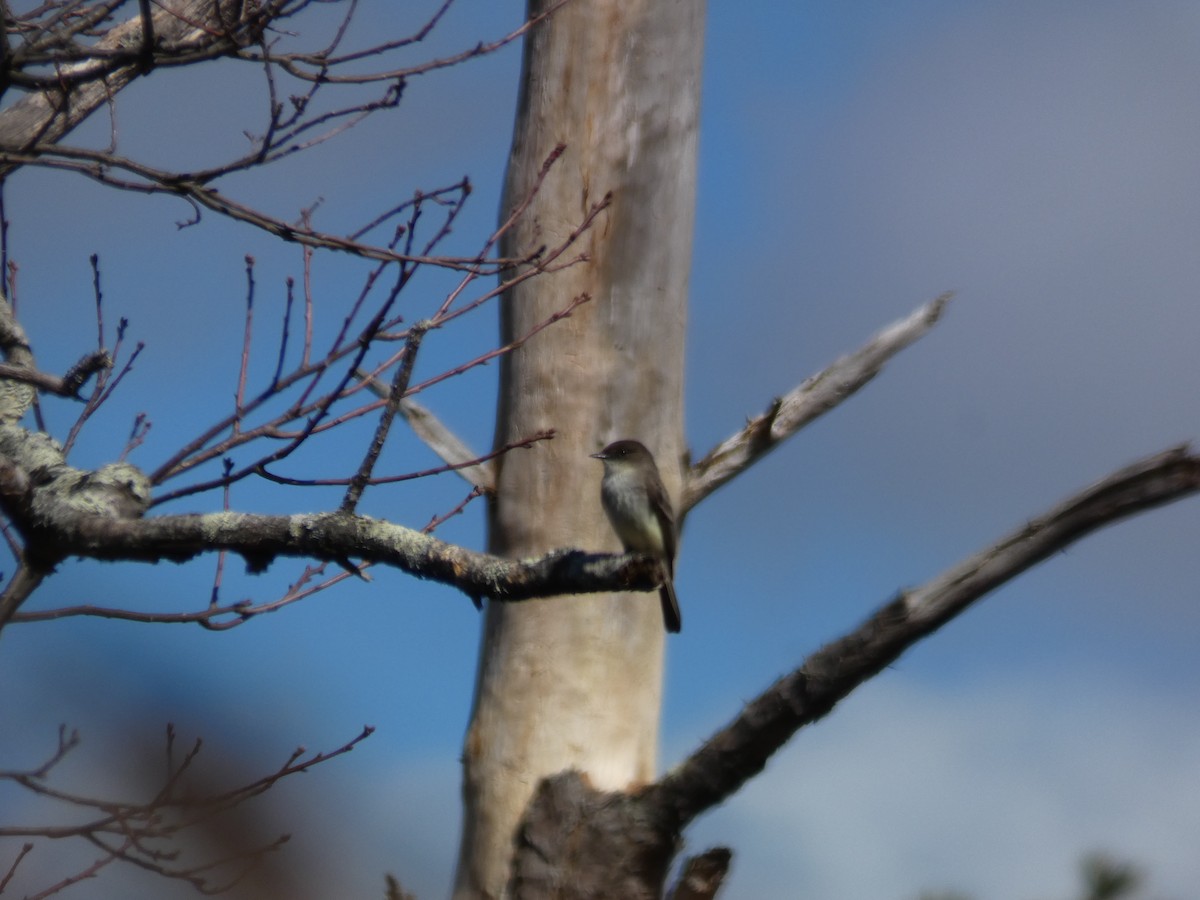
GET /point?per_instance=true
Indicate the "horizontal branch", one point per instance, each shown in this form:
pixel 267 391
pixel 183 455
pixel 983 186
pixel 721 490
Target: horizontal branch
pixel 336 537
pixel 62 511
pixel 815 397
pixel 741 750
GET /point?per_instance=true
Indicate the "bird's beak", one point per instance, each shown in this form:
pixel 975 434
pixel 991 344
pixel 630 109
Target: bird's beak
pixel 599 455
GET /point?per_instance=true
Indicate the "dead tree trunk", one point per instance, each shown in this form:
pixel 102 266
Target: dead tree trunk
pixel 576 682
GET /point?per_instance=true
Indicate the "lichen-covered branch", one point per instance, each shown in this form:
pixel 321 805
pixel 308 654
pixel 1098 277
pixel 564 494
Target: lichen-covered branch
pixel 62 511
pixel 260 539
pixel 15 394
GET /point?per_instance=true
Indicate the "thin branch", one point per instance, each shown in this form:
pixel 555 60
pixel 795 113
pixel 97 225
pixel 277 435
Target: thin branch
pixel 294 63
pixel 104 387
pixel 197 453
pixel 211 444
pixel 437 521
pixel 741 750
pixel 421 473
pixel 400 382
pixel 239 396
pixel 67 741
pixel 815 397
pixel 476 470
pixel 99 166
pixel 12 869
pixel 18 589
pixel 285 331
pixel 84 874
pixel 485 358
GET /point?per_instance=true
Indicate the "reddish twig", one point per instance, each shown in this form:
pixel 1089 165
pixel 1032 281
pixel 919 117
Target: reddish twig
pixel 437 521
pixel 546 435
pixel 206 446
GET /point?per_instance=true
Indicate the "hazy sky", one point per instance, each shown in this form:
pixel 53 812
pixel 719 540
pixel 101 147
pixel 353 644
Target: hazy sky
pixel 856 161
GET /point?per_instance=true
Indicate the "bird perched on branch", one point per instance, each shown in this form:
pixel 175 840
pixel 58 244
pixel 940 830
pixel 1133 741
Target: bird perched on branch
pixel 639 509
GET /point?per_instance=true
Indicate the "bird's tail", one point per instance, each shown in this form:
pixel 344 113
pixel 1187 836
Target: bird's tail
pixel 670 606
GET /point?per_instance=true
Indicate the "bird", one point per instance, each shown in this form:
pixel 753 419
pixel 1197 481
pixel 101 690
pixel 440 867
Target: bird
pixel 639 509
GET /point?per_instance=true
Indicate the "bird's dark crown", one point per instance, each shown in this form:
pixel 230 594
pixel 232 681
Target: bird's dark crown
pixel 622 449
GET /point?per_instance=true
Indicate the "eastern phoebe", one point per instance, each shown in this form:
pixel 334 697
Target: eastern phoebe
pixel 639 509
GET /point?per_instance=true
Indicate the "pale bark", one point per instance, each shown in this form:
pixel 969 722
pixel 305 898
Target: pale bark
pixel 577 683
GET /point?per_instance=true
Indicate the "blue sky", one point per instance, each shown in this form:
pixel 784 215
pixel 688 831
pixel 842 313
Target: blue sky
pixel 855 162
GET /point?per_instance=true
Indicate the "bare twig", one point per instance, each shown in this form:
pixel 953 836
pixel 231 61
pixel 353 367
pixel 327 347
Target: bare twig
pixel 422 473
pixel 196 452
pixel 485 358
pixel 319 66
pixel 437 521
pixel 12 869
pixel 239 396
pixel 101 165
pixel 18 589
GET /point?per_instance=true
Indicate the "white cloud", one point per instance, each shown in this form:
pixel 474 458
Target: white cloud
pixel 997 790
